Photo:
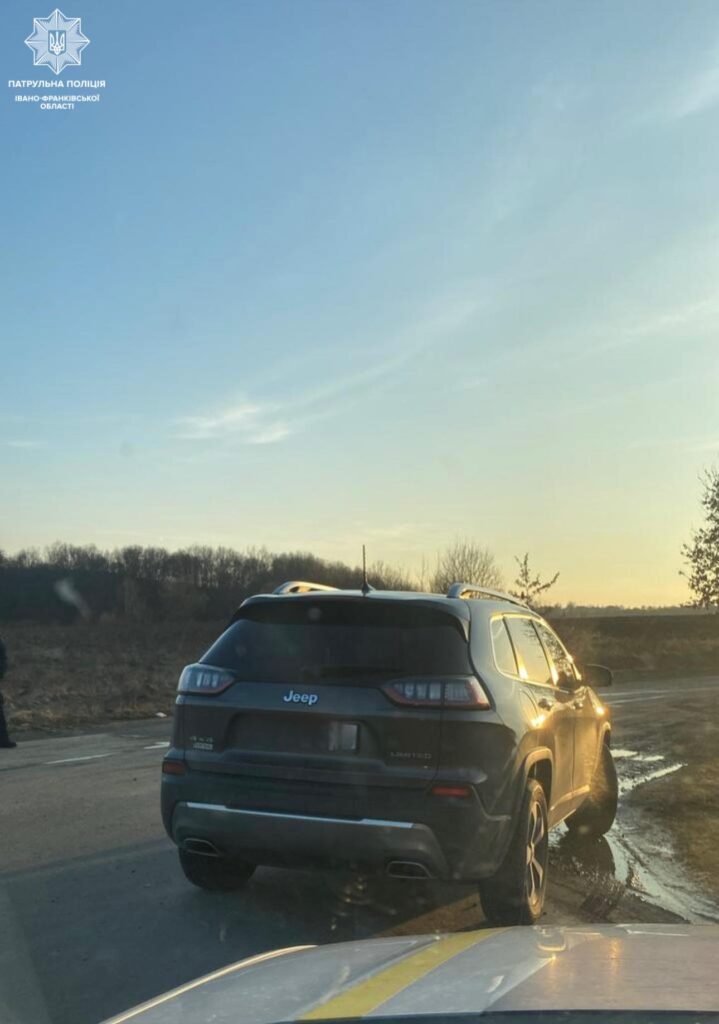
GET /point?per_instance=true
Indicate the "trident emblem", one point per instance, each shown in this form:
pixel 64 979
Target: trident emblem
pixel 56 42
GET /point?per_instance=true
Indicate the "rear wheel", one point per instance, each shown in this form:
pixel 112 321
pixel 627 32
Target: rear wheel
pixel 596 815
pixel 516 893
pixel 218 874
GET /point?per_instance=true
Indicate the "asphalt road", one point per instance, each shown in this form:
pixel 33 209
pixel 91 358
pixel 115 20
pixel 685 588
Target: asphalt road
pixel 95 915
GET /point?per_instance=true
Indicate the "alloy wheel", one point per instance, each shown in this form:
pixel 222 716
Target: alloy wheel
pixel 536 855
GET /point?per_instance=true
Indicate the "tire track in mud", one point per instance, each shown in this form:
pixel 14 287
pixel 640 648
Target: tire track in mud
pixel 636 856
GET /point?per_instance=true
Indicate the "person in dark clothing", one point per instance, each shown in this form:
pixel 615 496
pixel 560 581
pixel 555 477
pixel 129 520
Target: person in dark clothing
pixel 5 740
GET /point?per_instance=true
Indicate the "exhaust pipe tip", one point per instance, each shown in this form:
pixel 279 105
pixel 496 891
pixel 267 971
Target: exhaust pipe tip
pixel 201 846
pixel 407 869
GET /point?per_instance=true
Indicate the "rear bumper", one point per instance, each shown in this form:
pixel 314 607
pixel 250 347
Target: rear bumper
pixel 271 822
pixel 292 838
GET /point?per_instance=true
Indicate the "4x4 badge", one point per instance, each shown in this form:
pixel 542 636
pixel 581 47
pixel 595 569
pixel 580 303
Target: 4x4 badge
pixel 300 698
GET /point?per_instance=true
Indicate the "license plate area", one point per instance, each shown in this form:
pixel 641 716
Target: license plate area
pixel 343 737
pixel 294 734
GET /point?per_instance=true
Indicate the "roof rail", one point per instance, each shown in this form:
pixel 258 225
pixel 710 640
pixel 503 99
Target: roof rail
pixel 298 587
pixel 468 590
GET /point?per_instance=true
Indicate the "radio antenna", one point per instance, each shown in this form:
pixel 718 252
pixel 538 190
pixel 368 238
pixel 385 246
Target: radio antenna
pixel 365 585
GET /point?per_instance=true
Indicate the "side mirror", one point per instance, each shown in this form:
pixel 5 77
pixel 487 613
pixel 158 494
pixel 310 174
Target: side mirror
pixel 597 676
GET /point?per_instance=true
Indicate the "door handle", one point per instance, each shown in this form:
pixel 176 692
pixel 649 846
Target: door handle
pixel 544 704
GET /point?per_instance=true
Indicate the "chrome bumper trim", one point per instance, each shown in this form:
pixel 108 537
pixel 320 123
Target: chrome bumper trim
pixel 282 816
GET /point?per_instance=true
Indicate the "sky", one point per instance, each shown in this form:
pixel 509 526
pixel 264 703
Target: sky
pixel 319 273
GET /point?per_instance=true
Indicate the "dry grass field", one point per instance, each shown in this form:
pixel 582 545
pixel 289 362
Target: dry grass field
pixel 60 676
pixel 635 645
pixel 64 676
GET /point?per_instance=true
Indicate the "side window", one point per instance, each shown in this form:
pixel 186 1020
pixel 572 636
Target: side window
pixel 502 646
pixel 562 663
pixel 533 664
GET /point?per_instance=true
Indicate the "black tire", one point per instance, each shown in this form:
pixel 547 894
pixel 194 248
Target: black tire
pixel 217 874
pixel 516 893
pixel 596 815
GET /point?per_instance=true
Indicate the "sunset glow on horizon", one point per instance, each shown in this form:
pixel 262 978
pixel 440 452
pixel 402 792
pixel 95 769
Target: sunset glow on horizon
pixel 395 274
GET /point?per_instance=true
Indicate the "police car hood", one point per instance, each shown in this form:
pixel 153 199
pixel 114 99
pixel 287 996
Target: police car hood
pixel 628 967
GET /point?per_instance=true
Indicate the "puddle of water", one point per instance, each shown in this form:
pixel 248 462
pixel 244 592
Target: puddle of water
pixel 627 785
pixel 650 871
pixel 636 854
pixel 648 860
pixel 634 755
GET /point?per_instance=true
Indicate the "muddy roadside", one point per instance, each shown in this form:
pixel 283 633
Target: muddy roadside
pixel 659 861
pixel 667 753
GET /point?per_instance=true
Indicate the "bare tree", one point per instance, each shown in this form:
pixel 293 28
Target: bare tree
pixel 702 553
pixel 466 562
pixel 383 576
pixel 527 587
pixel 423 580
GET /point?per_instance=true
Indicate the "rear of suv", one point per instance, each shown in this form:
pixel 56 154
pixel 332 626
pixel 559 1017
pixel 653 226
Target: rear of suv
pixel 422 735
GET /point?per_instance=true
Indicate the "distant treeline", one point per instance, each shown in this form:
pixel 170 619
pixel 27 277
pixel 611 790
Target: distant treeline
pixel 64 581
pixel 608 611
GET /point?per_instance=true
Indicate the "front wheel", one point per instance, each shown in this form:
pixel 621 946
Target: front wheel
pixel 516 893
pixel 596 815
pixel 217 874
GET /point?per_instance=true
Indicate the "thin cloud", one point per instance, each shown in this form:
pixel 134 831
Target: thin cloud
pixel 691 313
pixel 699 93
pixel 695 317
pixel 472 384
pixel 25 444
pixel 247 422
pixel 436 325
pixel 256 421
pixel 685 95
pixel 271 434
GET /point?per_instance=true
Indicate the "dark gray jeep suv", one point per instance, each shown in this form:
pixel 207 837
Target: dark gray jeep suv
pixel 423 735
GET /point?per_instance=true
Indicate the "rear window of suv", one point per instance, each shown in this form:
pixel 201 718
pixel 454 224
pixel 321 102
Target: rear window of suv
pixel 298 641
pixel 502 646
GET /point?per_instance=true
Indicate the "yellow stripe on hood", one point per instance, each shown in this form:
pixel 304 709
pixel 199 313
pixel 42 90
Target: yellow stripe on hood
pixel 367 995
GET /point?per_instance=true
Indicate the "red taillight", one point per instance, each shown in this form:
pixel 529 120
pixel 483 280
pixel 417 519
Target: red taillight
pixel 173 767
pixel 461 791
pixel 419 692
pixel 462 692
pixel 204 679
